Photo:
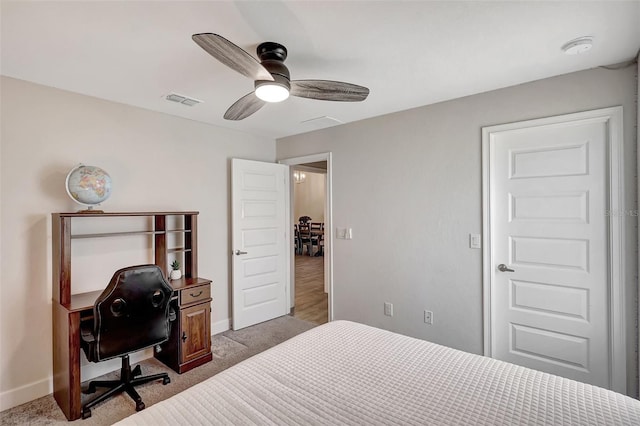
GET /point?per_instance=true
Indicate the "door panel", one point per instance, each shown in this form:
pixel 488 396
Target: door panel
pixel 548 161
pixel 549 252
pixel 550 299
pixel 196 326
pixel 259 228
pixel 551 347
pixel 568 207
pixel 548 224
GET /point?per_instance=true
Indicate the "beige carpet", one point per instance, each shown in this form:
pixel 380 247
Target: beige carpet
pixel 228 349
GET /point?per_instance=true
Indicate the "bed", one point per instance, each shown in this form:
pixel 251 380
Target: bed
pixel 345 373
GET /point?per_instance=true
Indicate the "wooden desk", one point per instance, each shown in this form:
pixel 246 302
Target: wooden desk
pixel 190 341
pixel 189 344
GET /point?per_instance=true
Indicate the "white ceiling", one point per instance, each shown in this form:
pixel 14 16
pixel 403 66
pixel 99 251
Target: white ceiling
pixel 408 53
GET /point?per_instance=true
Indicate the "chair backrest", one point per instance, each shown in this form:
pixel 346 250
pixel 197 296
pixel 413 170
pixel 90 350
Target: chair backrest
pixel 132 313
pixel 304 219
pixel 304 230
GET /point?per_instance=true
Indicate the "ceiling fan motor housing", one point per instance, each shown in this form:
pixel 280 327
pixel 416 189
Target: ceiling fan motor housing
pixel 277 79
pixel 278 71
pixel 271 50
pixel 272 56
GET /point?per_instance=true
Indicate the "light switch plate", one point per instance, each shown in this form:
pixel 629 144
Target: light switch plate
pixel 388 309
pixel 475 241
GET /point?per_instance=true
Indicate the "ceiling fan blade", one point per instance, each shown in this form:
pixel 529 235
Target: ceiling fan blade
pixel 326 90
pixel 232 56
pixel 244 107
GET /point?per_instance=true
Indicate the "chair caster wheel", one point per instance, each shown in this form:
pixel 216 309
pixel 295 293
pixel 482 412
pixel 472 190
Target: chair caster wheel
pixel 166 381
pixel 140 406
pixel 86 413
pixel 90 390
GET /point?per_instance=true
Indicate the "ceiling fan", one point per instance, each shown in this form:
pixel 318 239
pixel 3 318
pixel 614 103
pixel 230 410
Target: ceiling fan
pixel 271 77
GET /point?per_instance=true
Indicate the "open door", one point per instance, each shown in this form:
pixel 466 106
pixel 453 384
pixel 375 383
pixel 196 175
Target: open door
pixel 260 237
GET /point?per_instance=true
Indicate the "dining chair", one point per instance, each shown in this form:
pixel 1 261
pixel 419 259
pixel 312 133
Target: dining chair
pixel 296 239
pixel 304 232
pixel 317 236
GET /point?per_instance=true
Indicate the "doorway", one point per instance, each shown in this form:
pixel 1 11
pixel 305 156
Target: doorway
pixel 552 269
pixel 309 205
pixel 311 254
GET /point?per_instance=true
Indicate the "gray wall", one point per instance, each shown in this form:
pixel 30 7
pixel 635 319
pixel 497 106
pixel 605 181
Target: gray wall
pixel 638 206
pixel 409 184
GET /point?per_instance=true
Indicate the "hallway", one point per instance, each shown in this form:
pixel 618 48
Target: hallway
pixel 311 301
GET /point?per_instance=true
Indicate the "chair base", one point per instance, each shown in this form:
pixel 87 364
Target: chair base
pixel 128 379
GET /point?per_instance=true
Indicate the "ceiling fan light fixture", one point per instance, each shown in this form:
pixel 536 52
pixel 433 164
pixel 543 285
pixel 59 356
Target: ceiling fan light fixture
pixel 270 91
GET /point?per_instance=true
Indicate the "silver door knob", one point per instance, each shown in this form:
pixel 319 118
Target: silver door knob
pixel 238 252
pixel 503 268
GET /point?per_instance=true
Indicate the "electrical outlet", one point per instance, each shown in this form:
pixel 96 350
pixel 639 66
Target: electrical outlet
pixel 428 317
pixel 388 309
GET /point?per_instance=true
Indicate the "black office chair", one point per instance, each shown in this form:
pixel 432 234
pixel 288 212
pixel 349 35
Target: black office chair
pixel 131 314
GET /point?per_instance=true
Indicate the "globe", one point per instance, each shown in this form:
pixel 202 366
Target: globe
pixel 88 185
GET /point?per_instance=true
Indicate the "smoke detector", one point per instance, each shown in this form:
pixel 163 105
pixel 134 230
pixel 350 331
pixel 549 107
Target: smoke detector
pixel 578 46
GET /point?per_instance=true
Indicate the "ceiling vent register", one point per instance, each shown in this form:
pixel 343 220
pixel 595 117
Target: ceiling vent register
pixel 184 100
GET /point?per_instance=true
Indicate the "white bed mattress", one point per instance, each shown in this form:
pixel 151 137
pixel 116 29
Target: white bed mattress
pixel 352 374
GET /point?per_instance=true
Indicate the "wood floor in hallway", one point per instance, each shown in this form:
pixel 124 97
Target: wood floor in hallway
pixel 312 302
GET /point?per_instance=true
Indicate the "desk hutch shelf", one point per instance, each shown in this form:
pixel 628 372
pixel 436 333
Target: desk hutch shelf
pixel 190 342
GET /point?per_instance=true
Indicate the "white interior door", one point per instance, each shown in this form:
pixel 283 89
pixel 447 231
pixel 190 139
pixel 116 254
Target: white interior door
pixel 260 237
pixel 550 285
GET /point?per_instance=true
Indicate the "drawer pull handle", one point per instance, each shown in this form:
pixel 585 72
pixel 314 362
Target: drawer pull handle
pixel 195 295
pixel 184 336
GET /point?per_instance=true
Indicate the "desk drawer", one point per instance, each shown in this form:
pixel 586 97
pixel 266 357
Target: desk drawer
pixel 194 294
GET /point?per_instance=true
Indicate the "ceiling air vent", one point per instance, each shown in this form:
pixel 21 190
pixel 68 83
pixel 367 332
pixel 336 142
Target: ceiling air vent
pixel 174 97
pixel 322 122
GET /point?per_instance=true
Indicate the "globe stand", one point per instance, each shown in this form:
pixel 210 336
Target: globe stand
pixel 90 211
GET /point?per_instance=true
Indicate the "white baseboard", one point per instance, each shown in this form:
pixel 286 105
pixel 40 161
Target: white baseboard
pixel 220 326
pixel 26 393
pixel 14 397
pixel 89 370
